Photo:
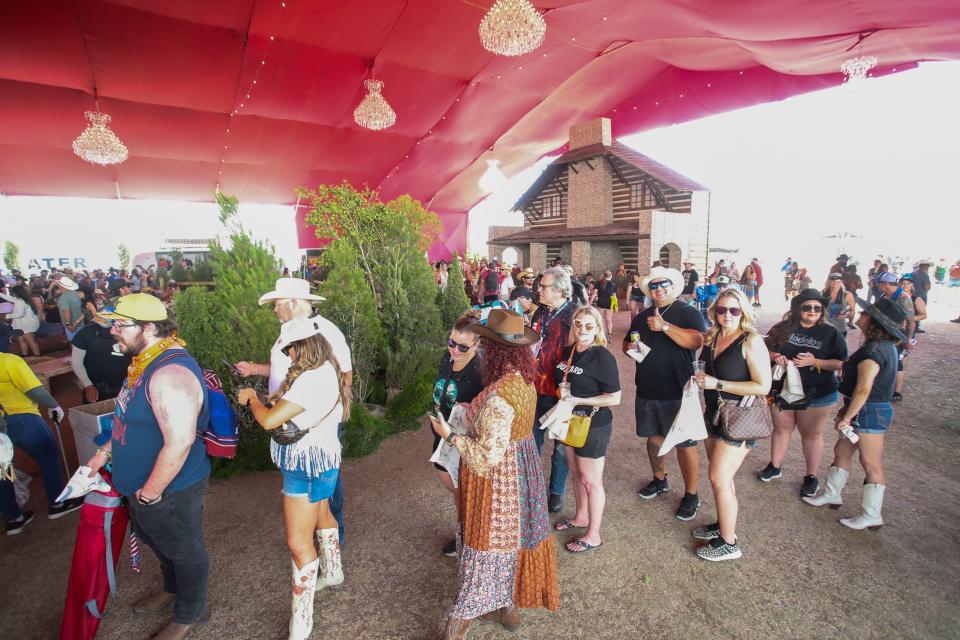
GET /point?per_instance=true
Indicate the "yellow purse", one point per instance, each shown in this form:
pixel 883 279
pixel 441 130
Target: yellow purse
pixel 579 424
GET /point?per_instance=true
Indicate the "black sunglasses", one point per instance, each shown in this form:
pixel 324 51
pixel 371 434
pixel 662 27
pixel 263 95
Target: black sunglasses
pixel 653 286
pixel 811 308
pixel 462 348
pixel 733 311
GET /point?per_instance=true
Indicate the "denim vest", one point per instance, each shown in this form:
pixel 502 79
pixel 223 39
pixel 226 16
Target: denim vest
pixel 137 438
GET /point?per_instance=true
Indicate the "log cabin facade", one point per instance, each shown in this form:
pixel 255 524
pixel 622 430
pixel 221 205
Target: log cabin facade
pixel 601 204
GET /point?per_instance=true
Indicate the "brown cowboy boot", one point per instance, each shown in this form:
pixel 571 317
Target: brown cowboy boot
pixel 456 629
pixel 509 617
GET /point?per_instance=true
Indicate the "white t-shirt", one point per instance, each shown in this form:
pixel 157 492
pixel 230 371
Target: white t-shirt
pixel 506 287
pixel 317 390
pixel 280 362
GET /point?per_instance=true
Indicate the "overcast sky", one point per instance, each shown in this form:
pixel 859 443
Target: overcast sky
pixel 881 162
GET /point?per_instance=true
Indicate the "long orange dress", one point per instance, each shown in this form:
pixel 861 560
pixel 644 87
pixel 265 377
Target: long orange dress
pixel 507 553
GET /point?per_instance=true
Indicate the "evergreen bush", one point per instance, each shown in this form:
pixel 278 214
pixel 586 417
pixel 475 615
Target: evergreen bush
pixel 453 299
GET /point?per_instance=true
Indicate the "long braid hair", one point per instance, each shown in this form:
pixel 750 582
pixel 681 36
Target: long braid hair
pixel 313 353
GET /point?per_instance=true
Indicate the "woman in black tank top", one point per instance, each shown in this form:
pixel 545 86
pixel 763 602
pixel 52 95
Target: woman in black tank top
pixel 737 365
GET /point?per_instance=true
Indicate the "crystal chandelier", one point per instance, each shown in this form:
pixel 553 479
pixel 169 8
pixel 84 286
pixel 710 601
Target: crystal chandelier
pixel 374 112
pixel 856 69
pixel 98 144
pixel 512 28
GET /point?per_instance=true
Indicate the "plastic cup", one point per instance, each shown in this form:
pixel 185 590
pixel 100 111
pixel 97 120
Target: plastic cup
pixel 699 369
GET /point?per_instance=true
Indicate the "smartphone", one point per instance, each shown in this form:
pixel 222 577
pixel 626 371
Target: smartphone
pixel 236 372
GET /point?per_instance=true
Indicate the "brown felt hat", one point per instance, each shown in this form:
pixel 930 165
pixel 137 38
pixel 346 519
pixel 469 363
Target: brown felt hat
pixel 506 327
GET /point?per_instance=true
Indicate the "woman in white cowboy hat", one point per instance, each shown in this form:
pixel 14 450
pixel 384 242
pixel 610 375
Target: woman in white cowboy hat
pixel 869 377
pixel 315 397
pixel 507 555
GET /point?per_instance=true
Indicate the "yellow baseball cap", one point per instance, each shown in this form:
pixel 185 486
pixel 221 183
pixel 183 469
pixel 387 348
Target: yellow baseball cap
pixel 137 306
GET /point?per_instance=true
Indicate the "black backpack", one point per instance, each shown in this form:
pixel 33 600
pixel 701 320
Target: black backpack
pixel 491 283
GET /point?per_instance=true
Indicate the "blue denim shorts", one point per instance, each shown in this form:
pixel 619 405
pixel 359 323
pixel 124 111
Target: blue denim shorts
pixel 825 401
pixel 297 484
pixel 875 417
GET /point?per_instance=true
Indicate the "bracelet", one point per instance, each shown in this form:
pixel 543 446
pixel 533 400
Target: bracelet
pixel 816 365
pixel 449 438
pixel 106 454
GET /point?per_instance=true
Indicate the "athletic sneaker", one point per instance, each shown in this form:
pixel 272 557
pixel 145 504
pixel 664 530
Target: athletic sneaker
pixel 450 549
pixel 16 526
pixel 810 486
pixel 897 397
pixel 769 473
pixel 654 488
pixel 707 531
pixel 688 506
pixel 61 509
pixel 717 550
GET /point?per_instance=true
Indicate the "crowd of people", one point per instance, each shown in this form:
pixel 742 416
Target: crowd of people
pixel 528 367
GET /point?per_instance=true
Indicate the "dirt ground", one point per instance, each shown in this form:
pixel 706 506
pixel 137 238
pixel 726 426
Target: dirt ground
pixel 803 575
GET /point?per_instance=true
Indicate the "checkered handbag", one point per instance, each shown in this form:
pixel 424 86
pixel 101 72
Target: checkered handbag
pixel 745 423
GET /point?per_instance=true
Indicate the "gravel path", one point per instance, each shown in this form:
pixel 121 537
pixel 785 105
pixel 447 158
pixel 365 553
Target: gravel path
pixel 803 575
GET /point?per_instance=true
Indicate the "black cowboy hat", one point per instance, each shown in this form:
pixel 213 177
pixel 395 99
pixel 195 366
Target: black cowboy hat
pixel 887 314
pixel 808 294
pixel 506 327
pixel 842 256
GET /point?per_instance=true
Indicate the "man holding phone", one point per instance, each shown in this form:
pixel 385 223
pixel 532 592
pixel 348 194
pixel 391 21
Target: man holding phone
pixel 292 299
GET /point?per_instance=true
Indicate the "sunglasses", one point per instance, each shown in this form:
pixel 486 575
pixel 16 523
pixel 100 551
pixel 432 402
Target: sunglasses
pixel 660 284
pixel 732 311
pixel 811 308
pixel 588 326
pixel 528 277
pixel 462 348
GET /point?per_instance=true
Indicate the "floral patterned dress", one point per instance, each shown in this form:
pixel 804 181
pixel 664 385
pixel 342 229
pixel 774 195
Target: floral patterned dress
pixel 507 555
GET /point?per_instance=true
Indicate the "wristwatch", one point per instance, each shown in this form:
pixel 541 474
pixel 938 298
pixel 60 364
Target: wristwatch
pixel 146 502
pixel 719 386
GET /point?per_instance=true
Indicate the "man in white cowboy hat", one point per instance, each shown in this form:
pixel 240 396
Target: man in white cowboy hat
pixel 673 331
pixel 292 299
pixel 70 306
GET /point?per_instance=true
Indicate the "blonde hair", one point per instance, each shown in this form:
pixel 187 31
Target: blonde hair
pixel 313 353
pixel 748 316
pixel 601 336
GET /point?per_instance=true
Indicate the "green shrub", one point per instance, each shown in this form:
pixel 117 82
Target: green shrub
pixel 453 300
pixel 412 402
pixel 363 433
pixel 228 324
pixel 350 305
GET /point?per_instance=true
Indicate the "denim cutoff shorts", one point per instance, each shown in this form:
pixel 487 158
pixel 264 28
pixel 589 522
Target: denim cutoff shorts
pixel 825 401
pixel 297 484
pixel 875 417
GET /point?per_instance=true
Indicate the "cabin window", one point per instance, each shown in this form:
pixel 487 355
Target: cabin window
pixel 642 197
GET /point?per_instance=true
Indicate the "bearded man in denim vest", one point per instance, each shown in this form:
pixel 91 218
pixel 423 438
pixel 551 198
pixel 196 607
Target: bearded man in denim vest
pixel 159 464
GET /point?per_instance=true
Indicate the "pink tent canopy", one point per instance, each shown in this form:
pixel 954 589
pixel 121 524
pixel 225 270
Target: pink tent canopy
pixel 257 96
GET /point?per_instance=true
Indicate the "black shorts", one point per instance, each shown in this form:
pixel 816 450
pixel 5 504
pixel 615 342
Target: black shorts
pixel 598 437
pixel 655 417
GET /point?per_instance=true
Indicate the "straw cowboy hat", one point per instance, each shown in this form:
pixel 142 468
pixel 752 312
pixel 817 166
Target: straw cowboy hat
pixel 673 275
pixel 290 288
pixel 67 283
pixel 887 314
pixel 506 327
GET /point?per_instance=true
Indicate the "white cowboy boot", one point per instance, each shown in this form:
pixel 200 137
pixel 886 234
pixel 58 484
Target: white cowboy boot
pixel 872 503
pixel 303 586
pixel 836 480
pixel 331 567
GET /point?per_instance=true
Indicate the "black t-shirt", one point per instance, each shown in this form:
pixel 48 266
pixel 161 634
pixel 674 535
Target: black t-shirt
pixel 461 386
pixel 103 363
pixel 593 372
pixel 884 353
pixel 668 366
pixel 825 343
pixel 605 294
pixel 690 279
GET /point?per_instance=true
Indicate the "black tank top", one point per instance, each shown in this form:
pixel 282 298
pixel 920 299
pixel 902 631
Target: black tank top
pixel 730 365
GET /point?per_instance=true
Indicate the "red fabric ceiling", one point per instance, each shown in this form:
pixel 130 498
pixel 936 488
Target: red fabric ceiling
pixel 172 73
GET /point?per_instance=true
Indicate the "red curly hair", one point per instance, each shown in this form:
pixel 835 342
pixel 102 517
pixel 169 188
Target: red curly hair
pixel 501 359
